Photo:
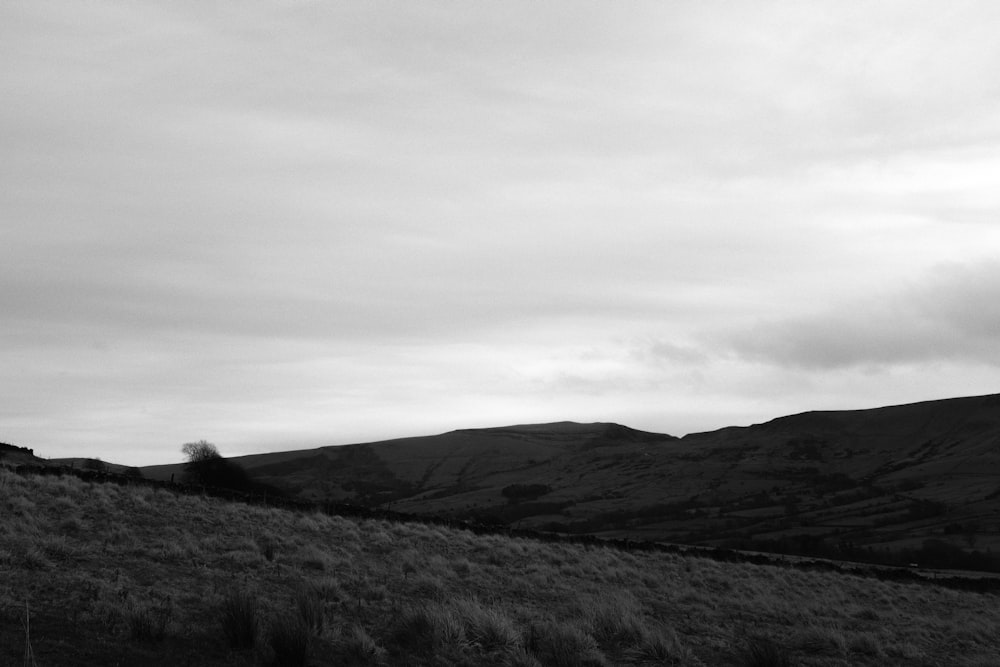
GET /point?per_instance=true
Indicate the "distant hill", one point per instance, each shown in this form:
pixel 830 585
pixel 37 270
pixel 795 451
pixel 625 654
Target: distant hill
pixel 454 463
pixel 847 483
pixel 13 455
pixel 97 465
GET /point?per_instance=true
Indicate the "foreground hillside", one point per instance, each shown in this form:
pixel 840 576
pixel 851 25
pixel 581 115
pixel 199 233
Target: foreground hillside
pixel 131 575
pixel 900 484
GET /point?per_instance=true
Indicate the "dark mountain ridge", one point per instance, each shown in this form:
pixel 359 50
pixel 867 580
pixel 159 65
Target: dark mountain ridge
pixel 881 479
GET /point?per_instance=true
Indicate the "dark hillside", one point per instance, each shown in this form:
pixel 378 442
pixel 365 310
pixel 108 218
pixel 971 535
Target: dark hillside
pixel 97 574
pixel 14 455
pixel 907 483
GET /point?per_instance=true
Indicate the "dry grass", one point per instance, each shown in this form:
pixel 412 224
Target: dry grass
pixel 120 575
pixel 239 616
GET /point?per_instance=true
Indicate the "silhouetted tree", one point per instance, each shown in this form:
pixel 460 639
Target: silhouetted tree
pixel 200 451
pixel 206 466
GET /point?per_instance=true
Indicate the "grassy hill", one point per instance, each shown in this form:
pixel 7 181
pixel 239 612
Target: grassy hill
pixel 109 574
pixel 12 455
pixel 919 481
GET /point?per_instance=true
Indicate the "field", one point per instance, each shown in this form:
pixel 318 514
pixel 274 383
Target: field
pixel 102 574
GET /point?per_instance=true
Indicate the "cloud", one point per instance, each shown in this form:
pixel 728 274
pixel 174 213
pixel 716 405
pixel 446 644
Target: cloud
pixel 302 219
pixel 950 314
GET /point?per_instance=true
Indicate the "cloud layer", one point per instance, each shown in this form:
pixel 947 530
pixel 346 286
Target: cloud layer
pixel 288 223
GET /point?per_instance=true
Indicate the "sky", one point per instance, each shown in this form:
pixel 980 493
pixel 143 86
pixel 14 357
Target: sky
pixel 287 224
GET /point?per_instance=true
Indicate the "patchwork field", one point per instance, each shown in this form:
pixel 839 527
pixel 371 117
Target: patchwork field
pixel 102 574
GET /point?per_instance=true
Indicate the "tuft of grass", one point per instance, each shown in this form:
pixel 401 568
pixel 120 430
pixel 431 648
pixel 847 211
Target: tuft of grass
pixel 359 648
pixel 71 525
pixel 239 618
pixel 487 627
pixel 867 614
pixel 462 567
pixel 819 640
pixel 266 547
pixel 617 621
pixel 661 647
pixel 561 644
pixel 146 622
pixel 426 586
pixel 867 643
pixel 314 558
pixel 36 559
pixel 428 630
pixel 522 658
pixel 310 606
pixel 762 652
pixel 328 589
pixel 58 547
pixel 288 636
pixel 415 632
pixel 905 651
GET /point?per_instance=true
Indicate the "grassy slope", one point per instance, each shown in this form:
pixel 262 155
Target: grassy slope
pixel 768 481
pixel 94 561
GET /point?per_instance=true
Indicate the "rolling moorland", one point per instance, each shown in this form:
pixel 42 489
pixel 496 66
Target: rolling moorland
pixel 916 483
pixel 122 569
pixel 125 573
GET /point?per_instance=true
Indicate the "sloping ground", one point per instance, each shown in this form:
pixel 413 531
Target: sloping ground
pixel 13 455
pixel 454 463
pixel 137 576
pixel 842 484
pixel 913 472
pixel 96 465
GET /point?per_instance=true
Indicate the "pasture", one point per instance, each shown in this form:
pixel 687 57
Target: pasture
pixel 107 574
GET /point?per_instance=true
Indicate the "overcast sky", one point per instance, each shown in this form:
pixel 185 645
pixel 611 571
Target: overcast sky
pixel 278 225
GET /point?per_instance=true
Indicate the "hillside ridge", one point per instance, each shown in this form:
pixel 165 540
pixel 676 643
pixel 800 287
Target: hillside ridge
pixel 828 482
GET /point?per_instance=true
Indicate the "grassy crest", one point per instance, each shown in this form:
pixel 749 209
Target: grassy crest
pixel 109 574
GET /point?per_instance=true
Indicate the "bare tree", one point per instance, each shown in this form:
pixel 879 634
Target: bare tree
pixel 200 451
pixel 206 466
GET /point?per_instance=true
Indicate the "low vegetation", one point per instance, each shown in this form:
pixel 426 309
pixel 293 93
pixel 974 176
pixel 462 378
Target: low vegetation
pixel 109 574
pixel 887 486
